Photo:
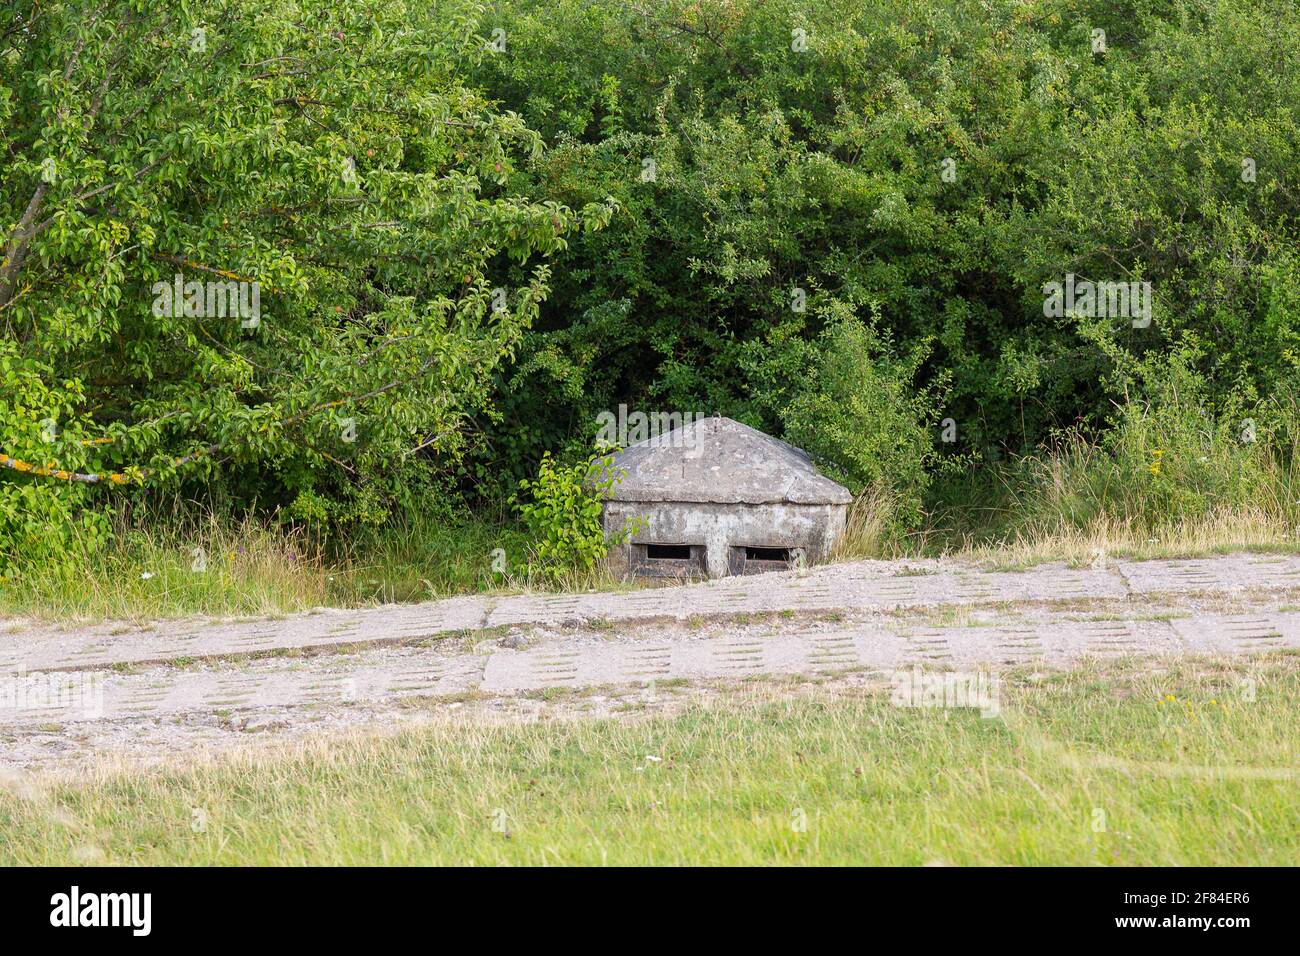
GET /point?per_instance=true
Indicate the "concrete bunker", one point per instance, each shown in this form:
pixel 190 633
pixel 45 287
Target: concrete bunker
pixel 716 497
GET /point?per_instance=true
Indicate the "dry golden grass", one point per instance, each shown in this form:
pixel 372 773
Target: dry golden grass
pixel 1103 539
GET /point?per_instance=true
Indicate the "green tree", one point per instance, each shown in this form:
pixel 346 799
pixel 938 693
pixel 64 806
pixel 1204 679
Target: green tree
pixel 330 153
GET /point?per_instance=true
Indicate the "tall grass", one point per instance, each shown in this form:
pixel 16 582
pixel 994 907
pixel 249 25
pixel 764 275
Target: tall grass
pixel 177 558
pixel 1166 479
pixel 1185 768
pixel 871 528
pixel 189 561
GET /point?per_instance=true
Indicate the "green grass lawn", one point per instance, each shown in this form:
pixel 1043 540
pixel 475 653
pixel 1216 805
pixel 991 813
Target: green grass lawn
pixel 1085 768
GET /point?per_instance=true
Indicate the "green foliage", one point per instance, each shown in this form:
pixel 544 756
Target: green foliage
pixel 823 170
pixel 169 561
pixel 333 154
pixel 563 514
pixel 855 409
pixel 842 242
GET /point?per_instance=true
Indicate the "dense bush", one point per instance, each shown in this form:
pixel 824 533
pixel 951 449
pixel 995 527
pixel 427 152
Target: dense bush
pixel 824 171
pixel 331 153
pixel 858 412
pixel 475 228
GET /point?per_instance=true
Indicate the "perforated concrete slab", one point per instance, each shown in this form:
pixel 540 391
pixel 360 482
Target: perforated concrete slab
pixel 1239 633
pixel 99 695
pixel 905 617
pixel 581 661
pixel 1230 573
pixel 161 643
pixel 885 586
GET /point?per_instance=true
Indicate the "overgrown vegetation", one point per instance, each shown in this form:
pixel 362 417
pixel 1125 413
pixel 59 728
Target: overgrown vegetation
pixel 833 221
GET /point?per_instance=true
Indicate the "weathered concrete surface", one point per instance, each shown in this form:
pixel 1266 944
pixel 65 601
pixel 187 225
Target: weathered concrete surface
pixel 1232 572
pixel 857 586
pixel 718 487
pixel 75 696
pixel 721 529
pixel 584 658
pixel 721 461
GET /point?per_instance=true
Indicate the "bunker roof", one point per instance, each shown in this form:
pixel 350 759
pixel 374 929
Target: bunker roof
pixel 720 461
